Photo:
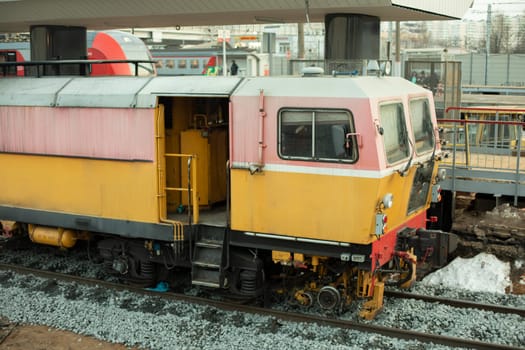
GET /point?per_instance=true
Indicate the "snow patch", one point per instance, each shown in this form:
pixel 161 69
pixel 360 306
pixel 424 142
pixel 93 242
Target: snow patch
pixel 482 273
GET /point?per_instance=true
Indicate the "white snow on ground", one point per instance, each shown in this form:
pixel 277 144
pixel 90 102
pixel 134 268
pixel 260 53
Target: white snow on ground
pixel 482 273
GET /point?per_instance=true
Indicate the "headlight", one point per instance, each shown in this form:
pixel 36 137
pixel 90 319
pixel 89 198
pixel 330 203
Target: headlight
pixel 442 174
pixel 388 200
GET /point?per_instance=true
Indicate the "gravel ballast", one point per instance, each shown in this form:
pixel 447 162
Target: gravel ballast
pixel 153 323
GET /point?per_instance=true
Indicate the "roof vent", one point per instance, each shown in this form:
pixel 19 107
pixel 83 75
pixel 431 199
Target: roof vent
pixel 313 71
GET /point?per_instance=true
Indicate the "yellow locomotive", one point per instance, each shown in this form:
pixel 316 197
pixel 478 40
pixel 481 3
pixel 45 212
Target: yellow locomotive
pixel 313 188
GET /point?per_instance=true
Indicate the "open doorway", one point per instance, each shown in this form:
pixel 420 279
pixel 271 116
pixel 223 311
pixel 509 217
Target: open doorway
pixel 196 152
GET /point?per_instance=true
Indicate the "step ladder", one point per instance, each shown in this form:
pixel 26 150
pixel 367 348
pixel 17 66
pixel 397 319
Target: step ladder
pixel 208 257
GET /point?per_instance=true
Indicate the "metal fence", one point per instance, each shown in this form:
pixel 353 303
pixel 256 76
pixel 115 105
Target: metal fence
pixel 485 148
pixel 494 69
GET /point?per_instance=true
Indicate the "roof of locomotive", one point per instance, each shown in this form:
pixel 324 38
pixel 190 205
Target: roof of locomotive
pixel 327 86
pixel 142 92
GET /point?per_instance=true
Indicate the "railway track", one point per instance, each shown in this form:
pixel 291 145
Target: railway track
pixel 298 317
pixel 458 303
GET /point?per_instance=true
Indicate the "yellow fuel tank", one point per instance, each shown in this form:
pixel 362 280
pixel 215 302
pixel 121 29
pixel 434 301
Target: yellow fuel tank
pixel 57 237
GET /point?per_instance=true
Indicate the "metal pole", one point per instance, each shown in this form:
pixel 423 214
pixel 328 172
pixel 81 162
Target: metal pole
pixel 471 65
pixel 397 64
pixel 453 190
pixel 487 44
pixel 270 53
pixel 496 133
pixel 398 42
pixel 518 156
pixel 445 87
pixel 224 66
pixel 300 40
pixel 508 70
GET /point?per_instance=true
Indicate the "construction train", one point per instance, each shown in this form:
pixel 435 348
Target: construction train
pixel 310 188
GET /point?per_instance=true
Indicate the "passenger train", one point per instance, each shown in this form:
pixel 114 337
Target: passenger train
pixel 313 189
pixel 207 61
pixel 113 45
pixel 101 45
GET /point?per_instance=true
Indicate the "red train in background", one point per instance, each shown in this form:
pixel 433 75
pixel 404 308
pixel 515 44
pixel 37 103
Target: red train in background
pixel 105 45
pixel 14 52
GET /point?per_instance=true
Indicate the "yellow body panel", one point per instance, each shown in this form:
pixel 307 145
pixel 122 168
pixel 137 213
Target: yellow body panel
pixel 109 189
pixel 323 207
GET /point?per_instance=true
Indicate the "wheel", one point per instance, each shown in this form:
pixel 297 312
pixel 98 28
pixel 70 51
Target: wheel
pixel 328 297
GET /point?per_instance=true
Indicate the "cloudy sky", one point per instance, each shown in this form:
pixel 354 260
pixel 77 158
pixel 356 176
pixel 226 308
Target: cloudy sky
pixel 508 7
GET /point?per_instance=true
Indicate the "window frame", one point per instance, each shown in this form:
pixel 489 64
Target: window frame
pixel 408 142
pixel 420 150
pixel 313 158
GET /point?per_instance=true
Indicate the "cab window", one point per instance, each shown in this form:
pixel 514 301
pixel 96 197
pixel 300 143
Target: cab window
pixel 422 125
pixel 395 135
pixel 317 134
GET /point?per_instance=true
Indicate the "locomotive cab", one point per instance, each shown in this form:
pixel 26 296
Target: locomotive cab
pixel 329 174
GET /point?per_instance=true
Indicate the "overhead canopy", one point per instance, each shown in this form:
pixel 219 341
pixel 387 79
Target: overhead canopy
pixel 18 15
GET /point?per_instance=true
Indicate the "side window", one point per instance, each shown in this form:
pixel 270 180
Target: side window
pixel 320 135
pixel 422 125
pixel 296 134
pixel 194 63
pixel 395 135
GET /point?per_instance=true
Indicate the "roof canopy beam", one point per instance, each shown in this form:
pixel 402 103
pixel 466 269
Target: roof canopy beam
pixel 19 15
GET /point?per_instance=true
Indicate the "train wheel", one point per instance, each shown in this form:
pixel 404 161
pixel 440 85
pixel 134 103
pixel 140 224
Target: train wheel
pixel 328 298
pixel 304 298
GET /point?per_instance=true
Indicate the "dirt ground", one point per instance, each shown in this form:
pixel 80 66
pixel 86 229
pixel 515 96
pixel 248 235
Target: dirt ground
pixel 518 281
pixel 24 337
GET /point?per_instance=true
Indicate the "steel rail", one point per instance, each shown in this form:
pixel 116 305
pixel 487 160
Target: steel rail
pixel 458 303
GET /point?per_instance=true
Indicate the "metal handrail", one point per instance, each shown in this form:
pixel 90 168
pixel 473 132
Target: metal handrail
pixel 5 65
pixel 192 189
pixel 492 155
pixel 485 109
